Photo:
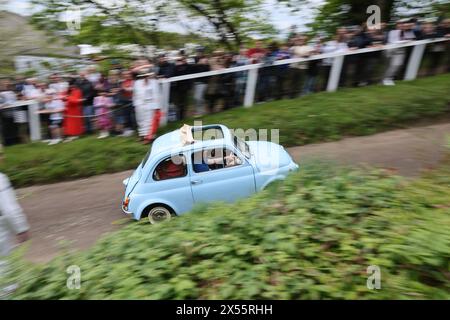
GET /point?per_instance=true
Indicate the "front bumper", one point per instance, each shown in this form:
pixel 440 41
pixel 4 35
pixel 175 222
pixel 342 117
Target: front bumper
pixel 128 213
pixel 293 166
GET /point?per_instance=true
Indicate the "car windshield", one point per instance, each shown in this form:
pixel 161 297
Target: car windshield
pixel 242 146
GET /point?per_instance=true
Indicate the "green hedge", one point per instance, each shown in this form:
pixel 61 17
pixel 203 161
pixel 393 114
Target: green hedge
pixel 312 237
pixel 318 117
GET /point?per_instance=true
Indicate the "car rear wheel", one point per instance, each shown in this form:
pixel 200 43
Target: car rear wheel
pixel 159 214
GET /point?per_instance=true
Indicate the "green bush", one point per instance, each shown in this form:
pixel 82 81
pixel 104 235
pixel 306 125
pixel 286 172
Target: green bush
pixel 318 117
pixel 311 237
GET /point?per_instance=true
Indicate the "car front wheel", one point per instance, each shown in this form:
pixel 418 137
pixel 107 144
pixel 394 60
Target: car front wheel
pixel 159 214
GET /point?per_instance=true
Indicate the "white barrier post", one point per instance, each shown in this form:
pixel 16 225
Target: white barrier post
pixel 335 73
pixel 250 87
pixel 34 121
pixel 165 102
pixel 414 61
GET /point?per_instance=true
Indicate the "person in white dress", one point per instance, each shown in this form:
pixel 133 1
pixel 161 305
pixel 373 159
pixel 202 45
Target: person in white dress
pixel 146 100
pixel 12 223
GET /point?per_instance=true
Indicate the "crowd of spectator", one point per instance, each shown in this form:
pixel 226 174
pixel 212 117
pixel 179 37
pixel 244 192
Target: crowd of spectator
pixel 128 99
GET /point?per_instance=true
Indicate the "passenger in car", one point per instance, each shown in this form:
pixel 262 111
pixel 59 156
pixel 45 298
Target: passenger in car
pixel 171 169
pixel 201 167
pixel 232 160
pixel 214 161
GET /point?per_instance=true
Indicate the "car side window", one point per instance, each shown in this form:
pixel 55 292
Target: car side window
pixel 213 159
pixel 170 168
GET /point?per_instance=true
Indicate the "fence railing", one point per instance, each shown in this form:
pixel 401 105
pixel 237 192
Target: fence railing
pixel 412 68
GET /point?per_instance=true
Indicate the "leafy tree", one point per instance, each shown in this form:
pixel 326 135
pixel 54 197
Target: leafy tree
pixel 112 20
pixel 230 22
pixel 422 8
pixel 98 30
pixel 335 13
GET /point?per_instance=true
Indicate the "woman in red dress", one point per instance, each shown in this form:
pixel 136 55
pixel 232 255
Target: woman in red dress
pixel 73 123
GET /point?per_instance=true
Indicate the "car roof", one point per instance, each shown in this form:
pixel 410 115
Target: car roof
pixel 171 142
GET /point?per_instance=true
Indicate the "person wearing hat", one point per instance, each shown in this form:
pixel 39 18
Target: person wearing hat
pixel 146 100
pixel 12 223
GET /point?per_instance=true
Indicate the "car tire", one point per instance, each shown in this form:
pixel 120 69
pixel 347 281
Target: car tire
pixel 159 214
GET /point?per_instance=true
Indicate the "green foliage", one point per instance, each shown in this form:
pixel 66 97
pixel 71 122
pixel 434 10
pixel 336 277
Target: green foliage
pixel 7 69
pixel 234 21
pixel 30 73
pixel 311 237
pixel 228 22
pixel 335 13
pixel 422 8
pixel 443 9
pixel 96 31
pixel 315 118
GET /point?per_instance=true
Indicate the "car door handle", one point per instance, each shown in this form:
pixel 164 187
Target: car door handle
pixel 196 181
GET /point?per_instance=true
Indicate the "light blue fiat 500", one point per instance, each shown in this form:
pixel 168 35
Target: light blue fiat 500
pixel 201 164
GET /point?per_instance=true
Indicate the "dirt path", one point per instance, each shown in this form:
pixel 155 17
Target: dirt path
pixel 81 211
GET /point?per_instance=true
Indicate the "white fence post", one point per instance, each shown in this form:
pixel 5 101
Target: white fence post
pixel 414 61
pixel 34 121
pixel 335 73
pixel 165 102
pixel 250 87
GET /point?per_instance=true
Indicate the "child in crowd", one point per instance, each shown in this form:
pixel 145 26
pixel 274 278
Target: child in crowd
pixel 103 104
pixel 54 105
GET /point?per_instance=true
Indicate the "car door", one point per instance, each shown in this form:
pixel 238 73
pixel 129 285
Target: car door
pixel 221 183
pixel 169 183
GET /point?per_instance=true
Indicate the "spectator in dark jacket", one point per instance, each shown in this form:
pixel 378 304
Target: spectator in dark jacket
pixel 181 88
pixel 165 68
pixel 435 51
pixel 88 93
pixel 363 62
